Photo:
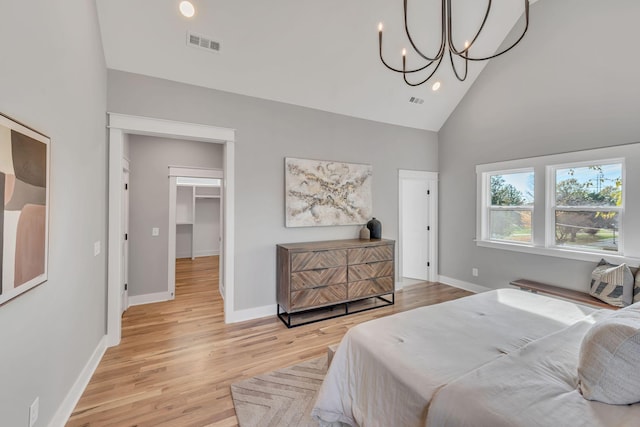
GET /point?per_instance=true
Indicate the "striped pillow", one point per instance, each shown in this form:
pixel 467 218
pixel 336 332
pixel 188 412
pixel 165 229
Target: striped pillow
pixel 613 284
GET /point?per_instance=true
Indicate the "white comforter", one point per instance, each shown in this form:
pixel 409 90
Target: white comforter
pixel 534 386
pixel 386 371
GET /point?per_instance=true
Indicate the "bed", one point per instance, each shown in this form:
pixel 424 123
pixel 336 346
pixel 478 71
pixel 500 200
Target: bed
pixel 458 363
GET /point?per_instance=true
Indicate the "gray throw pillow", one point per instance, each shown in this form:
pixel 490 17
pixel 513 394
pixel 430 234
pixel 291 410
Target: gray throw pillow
pixel 636 288
pixel 609 364
pixel 612 284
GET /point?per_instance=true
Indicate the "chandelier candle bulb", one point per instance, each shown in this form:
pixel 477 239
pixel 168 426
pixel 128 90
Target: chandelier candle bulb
pixel 380 27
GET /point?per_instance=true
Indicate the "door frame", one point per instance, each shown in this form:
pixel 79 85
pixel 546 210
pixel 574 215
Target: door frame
pixel 121 125
pixel 125 242
pixel 432 179
pixel 191 172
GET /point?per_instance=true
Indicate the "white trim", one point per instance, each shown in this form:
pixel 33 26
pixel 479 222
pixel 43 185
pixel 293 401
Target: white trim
pixel 560 253
pixel 251 313
pixel 120 125
pixel 149 298
pixel 467 286
pixel 195 173
pixel 64 411
pixel 399 285
pixel 139 125
pixel 228 238
pixel 432 179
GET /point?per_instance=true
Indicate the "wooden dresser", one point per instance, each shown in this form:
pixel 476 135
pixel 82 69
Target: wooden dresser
pixel 320 280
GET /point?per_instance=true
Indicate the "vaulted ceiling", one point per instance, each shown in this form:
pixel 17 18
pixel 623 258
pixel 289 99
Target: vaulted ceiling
pixel 321 54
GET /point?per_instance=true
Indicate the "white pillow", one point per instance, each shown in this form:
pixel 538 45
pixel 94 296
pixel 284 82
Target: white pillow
pixel 609 365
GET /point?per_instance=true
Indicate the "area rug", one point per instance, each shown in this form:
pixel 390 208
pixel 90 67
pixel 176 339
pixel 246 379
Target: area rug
pixel 280 398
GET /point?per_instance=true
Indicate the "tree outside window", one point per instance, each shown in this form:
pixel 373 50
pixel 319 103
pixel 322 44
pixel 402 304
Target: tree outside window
pixel 588 204
pixel 511 206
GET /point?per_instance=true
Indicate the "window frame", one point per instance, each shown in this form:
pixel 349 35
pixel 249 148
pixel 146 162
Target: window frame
pixel 629 239
pixel 488 206
pixel 551 208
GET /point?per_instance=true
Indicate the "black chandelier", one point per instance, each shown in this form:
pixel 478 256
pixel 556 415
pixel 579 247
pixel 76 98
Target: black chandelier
pixel 446 43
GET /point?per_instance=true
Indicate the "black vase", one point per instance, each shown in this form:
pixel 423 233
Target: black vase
pixel 375 227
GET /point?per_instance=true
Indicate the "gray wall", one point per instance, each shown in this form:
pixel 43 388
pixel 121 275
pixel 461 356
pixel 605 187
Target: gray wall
pixel 54 80
pixel 149 203
pixel 572 84
pixel 267 132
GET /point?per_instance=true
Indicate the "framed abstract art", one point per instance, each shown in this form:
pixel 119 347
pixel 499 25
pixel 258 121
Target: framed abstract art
pixel 24 212
pixel 322 193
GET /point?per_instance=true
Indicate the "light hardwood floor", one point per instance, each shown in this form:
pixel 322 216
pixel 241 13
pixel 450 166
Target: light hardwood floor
pixel 177 359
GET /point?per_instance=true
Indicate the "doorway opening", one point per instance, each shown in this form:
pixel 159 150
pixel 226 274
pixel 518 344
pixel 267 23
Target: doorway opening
pixel 197 225
pixel 418 226
pixel 120 127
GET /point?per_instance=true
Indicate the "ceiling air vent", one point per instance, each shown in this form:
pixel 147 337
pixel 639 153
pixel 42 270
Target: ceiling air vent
pixel 415 100
pixel 202 42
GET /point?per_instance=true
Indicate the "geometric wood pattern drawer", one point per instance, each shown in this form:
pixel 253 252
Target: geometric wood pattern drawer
pixel 371 287
pixel 319 296
pixel 314 278
pixel 370 270
pixel 320 274
pixel 320 259
pixel 372 254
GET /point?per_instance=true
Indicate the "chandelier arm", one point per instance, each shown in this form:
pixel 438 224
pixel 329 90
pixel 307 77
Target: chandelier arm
pixel 526 27
pixel 452 48
pixel 398 70
pixel 442 35
pixel 455 70
pixel 404 75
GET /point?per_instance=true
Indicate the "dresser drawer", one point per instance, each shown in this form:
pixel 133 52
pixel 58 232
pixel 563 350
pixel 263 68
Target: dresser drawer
pixel 370 270
pixel 318 297
pixel 314 278
pixel 371 287
pixel 370 254
pixel 318 259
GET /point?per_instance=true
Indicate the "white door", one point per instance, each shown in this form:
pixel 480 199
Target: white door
pixel 124 283
pixel 418 231
pixel 415 229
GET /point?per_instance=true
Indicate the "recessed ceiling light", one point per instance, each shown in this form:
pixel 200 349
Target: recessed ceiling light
pixel 435 86
pixel 187 9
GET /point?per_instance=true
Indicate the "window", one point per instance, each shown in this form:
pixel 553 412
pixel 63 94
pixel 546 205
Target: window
pixel 511 206
pixel 581 205
pixel 587 206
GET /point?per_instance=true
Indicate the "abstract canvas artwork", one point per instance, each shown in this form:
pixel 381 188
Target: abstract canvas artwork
pixel 24 191
pixel 326 193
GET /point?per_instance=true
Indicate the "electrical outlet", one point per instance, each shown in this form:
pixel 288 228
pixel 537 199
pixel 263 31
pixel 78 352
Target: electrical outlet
pixel 96 248
pixel 33 411
pixel 155 231
pixel 474 272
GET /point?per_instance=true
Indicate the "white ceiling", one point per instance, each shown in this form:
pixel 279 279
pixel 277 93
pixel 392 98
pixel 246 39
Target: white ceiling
pixel 321 54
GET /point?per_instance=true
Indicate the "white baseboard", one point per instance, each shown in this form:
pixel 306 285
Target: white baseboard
pixel 207 252
pixel 149 298
pixel 69 403
pixel 399 285
pixel 467 286
pixel 252 313
pixel 196 254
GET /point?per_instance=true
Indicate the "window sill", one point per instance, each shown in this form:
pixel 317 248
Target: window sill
pixel 560 253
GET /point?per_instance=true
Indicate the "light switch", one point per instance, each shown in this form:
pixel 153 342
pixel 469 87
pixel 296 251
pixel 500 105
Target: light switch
pixel 96 248
pixel 155 231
